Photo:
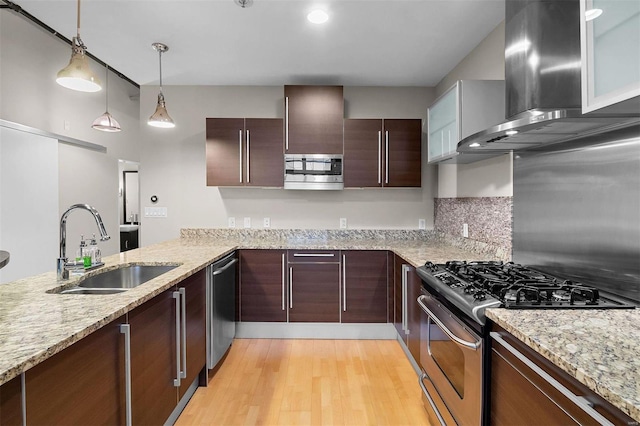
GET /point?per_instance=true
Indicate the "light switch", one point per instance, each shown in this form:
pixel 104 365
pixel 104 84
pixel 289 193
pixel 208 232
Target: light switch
pixel 465 230
pixel 247 222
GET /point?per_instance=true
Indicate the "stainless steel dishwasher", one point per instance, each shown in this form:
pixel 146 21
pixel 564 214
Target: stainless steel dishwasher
pixel 221 308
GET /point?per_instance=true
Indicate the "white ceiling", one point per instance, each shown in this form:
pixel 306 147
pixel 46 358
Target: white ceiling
pixel 216 42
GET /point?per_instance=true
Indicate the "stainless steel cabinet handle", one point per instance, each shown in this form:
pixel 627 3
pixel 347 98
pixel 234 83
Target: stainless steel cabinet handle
pixel 290 287
pixel 176 381
pixel 183 294
pixel 248 155
pixel 240 153
pixel 126 330
pixel 344 282
pixel 283 279
pixel 580 402
pixel 452 336
pixel 379 155
pixel 286 123
pixel 313 254
pixel 225 267
pixel 405 327
pixel 422 377
pixel 126 243
pixel 386 177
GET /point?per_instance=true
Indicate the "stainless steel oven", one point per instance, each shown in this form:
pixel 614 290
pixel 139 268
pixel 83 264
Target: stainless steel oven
pixel 452 359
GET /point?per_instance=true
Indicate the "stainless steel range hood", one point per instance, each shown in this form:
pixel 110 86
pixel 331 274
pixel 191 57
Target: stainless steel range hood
pixel 542 75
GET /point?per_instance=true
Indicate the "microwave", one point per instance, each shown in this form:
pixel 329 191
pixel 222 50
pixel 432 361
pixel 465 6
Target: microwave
pixel 313 171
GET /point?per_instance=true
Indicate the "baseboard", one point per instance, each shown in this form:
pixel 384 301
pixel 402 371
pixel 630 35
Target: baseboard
pixel 309 330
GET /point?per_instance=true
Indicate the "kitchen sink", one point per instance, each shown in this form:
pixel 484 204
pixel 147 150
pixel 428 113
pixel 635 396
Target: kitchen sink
pixel 118 280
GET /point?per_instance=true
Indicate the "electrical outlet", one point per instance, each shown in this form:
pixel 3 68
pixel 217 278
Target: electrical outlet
pixel 266 222
pixel 422 224
pixel 67 125
pixel 343 223
pixel 465 230
pixel 247 222
pixel 232 222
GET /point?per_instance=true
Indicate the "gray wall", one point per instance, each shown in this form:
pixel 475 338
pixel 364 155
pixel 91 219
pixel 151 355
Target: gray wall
pixel 173 166
pixel 29 61
pixel 577 210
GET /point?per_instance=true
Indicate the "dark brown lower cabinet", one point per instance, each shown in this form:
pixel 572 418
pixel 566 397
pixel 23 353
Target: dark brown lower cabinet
pixel 521 395
pixel 364 286
pixel 11 402
pixel 263 289
pixel 314 292
pixel 153 359
pixel 407 313
pixel 83 384
pixel 196 336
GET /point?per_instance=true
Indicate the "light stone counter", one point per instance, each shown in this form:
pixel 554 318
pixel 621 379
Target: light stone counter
pixel 34 324
pixel 600 348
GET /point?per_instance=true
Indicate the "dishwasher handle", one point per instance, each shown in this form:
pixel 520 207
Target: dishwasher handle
pixel 224 268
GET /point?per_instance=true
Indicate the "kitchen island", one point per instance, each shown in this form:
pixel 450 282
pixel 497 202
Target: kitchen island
pixel 36 323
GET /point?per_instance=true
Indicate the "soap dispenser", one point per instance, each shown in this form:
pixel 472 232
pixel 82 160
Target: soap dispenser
pixel 94 251
pixel 80 253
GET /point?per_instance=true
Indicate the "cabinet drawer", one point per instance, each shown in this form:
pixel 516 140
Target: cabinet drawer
pixel 313 256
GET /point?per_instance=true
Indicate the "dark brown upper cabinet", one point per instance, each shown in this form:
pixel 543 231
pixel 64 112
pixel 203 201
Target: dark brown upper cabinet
pixel 244 152
pixel 382 153
pixel 313 119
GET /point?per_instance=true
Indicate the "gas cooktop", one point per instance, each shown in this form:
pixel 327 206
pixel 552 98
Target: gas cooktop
pixel 474 286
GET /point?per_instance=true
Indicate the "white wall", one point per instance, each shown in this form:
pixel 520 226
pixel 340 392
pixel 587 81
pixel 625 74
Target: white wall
pixel 492 177
pixel 28 203
pixel 29 61
pixel 173 166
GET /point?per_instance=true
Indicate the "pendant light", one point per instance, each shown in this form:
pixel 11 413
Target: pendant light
pixel 161 117
pixel 106 122
pixel 78 75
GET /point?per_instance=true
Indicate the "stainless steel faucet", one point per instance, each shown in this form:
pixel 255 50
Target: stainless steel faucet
pixel 63 272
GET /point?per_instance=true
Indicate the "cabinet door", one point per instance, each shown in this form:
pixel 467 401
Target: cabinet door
pixel 153 359
pixel 264 159
pixel 224 151
pixel 83 384
pixel 443 126
pixel 263 290
pixel 402 158
pixel 313 119
pixel 196 334
pixel 364 286
pixel 398 318
pixel 11 402
pixel 363 148
pixel 314 292
pixel 611 56
pixel 413 313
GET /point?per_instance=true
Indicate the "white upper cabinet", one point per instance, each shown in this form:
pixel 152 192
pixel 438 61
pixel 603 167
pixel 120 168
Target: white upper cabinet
pixel 467 107
pixel 610 55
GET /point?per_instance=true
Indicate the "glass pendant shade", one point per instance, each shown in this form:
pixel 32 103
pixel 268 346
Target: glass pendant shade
pixel 78 75
pixel 106 123
pixel 161 117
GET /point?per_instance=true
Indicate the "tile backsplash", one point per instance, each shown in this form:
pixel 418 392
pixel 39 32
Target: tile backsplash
pixel 489 219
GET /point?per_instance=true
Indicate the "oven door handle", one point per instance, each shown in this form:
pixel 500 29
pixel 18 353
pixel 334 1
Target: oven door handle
pixel 456 339
pixel 422 377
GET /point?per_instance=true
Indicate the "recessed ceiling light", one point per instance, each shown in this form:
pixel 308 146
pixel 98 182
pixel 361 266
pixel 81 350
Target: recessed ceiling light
pixel 318 16
pixel 511 132
pixel 474 145
pixel 592 14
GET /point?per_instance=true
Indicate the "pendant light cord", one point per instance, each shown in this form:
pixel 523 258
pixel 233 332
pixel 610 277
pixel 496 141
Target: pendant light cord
pixel 106 87
pixel 160 61
pixel 78 20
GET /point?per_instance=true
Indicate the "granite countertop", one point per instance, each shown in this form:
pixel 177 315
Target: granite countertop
pixel 35 324
pixel 600 348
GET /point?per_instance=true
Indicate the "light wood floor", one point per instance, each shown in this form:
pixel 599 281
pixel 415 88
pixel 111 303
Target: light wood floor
pixel 310 382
